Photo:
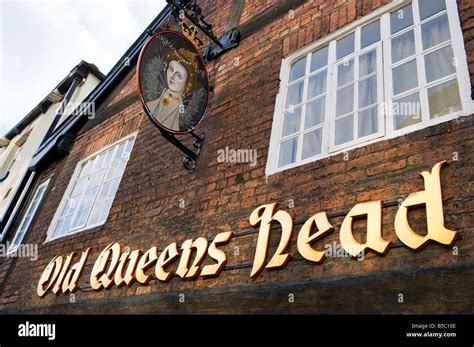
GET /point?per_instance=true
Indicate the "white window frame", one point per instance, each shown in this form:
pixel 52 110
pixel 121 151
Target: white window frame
pixel 382 13
pixel 30 212
pixel 51 230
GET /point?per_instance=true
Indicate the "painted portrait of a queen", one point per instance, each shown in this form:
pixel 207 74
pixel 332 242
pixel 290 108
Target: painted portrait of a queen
pixel 173 82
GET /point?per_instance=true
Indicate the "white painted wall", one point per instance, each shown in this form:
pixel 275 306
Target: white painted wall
pixel 37 130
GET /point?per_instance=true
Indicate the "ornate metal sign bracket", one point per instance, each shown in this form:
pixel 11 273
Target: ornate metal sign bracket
pixel 191 10
pixel 191 156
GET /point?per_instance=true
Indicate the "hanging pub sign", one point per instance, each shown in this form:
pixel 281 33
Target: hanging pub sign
pixel 173 84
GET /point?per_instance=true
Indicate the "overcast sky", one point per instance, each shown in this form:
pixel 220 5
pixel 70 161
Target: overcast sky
pixel 42 41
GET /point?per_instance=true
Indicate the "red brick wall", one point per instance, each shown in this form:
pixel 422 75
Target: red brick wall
pixel 220 196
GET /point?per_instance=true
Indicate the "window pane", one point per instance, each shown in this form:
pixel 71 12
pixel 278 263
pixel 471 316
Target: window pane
pixel 108 189
pixel 288 151
pixel 96 178
pixel 401 19
pixel 80 186
pixel 59 227
pixel 128 149
pixel 84 208
pixel 404 77
pixel 108 157
pixel 86 168
pixel 26 222
pixel 17 239
pixel 345 101
pixel 32 208
pixel 345 46
pixel 406 111
pixel 345 73
pixel 319 59
pixel 63 226
pixel 115 169
pixel 440 63
pixel 120 149
pixel 70 206
pixel 99 162
pixel 344 130
pixel 39 193
pixel 444 99
pixel 312 143
pixel 403 46
pixel 435 31
pixel 367 63
pixel 96 212
pixel 295 94
pixel 370 34
pixel 317 84
pixel 368 92
pixel 368 122
pixel 88 198
pixel 101 211
pixel 430 7
pixel 79 219
pixel 291 122
pixel 113 189
pixel 298 69
pixel 314 113
pixel 104 190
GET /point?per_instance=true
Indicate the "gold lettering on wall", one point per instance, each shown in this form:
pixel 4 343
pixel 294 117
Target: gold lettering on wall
pixel 431 197
pixel 373 211
pixel 265 215
pixel 114 267
pixel 71 280
pixel 166 257
pixel 184 270
pixel 217 254
pixel 130 260
pixel 305 239
pixel 100 276
pixel 146 261
pixel 49 275
pixel 57 287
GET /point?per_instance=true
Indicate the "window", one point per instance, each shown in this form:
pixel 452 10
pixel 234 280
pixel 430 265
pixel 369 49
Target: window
pixel 26 221
pixel 399 69
pixel 90 194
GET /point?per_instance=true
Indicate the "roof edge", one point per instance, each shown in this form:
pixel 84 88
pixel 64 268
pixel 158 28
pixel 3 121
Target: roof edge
pixel 44 104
